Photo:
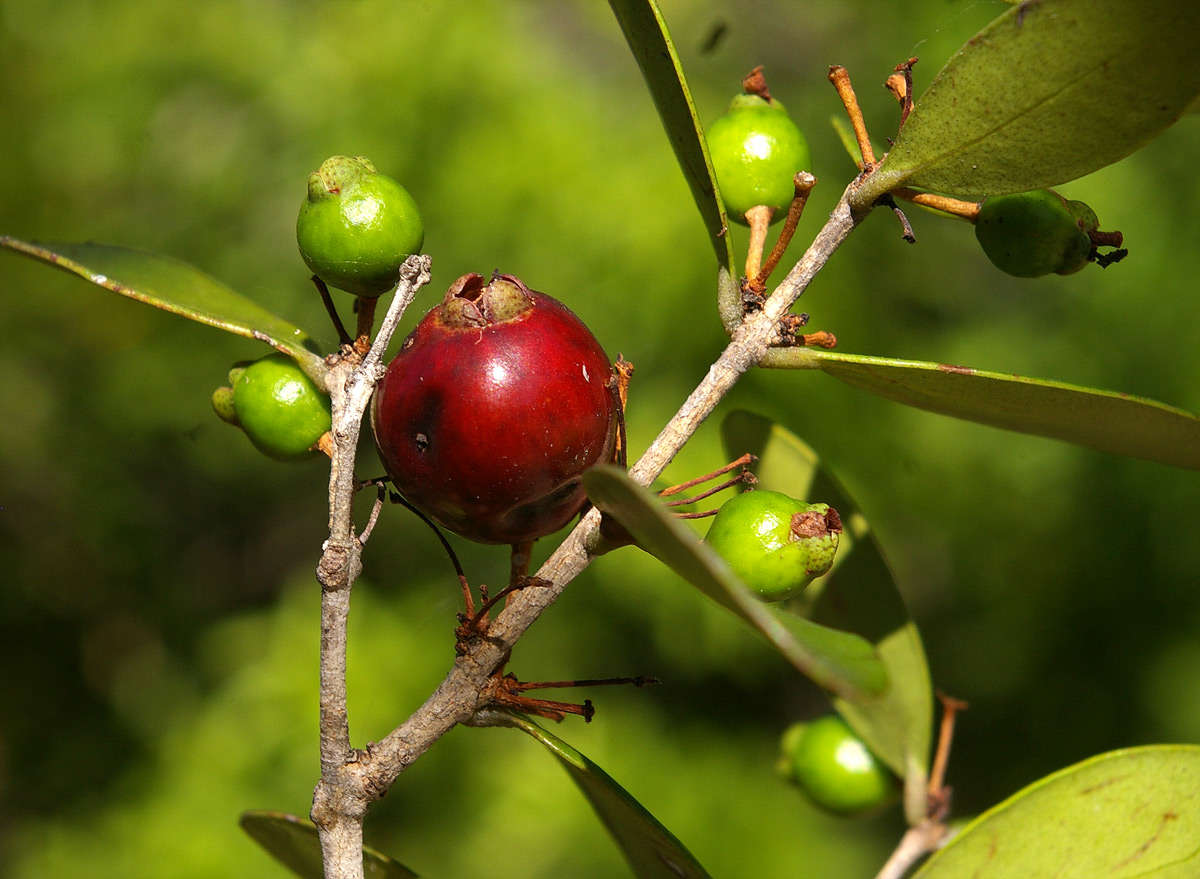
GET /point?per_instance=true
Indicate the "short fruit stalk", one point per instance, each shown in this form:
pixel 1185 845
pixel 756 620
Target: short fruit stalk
pixel 775 544
pixel 496 404
pixel 277 406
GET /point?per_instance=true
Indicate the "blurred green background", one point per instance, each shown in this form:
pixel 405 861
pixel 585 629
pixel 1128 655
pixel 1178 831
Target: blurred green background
pixel 158 621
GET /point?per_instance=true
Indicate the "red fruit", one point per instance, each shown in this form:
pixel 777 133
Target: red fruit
pixel 496 404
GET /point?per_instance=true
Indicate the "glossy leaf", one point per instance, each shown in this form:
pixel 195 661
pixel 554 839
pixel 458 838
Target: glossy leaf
pixel 1047 92
pixel 652 851
pixel 1119 815
pixel 839 661
pixel 1106 420
pixel 859 595
pixel 294 843
pixel 177 287
pixel 646 33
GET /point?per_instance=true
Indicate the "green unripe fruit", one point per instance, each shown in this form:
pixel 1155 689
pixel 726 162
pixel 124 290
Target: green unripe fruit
pixel 1029 234
pixel 1085 217
pixel 280 409
pixel 756 151
pixel 776 544
pixel 836 769
pixel 357 226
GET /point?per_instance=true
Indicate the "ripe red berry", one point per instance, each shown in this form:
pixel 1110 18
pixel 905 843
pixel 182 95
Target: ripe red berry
pixel 496 404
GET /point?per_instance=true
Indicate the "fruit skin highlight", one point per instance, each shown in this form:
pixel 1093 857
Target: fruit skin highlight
pixel 776 544
pixel 1030 234
pixel 835 768
pixel 357 226
pixel 276 405
pixel 756 151
pixel 497 403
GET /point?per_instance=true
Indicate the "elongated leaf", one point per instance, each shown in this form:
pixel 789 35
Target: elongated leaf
pixel 840 662
pixel 646 33
pixel 294 843
pixel 652 851
pixel 177 287
pixel 859 595
pixel 1112 422
pixel 1119 815
pixel 1049 91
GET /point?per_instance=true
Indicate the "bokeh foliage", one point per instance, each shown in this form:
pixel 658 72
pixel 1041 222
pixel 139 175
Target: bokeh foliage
pixel 159 620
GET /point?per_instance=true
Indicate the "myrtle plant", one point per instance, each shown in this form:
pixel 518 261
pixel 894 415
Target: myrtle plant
pixel 500 419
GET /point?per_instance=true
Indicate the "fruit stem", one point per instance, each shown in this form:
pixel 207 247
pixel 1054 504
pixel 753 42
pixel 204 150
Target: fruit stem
pixel 804 183
pixel 840 77
pixel 939 794
pixel 759 220
pixel 366 322
pixel 966 210
pixel 331 310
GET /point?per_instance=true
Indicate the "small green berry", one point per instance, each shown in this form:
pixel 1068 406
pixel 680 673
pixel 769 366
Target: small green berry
pixel 357 226
pixel 280 409
pixel 756 151
pixel 775 544
pixel 836 769
pixel 1029 234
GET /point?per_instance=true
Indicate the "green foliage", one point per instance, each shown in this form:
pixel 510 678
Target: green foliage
pixel 1048 92
pixel 1112 422
pixel 1126 813
pixel 651 850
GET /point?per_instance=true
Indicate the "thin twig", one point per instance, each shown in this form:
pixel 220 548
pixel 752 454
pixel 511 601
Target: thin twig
pixel 339 804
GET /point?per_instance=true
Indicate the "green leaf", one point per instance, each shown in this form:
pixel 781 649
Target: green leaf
pixel 177 287
pixel 652 851
pixel 646 33
pixel 294 843
pixel 859 595
pixel 1106 420
pixel 1119 815
pixel 1047 92
pixel 840 662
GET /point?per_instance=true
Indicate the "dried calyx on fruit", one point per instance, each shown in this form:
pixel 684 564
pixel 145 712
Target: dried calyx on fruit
pixel 776 544
pixel 276 405
pixel 497 403
pixel 357 226
pixel 1029 234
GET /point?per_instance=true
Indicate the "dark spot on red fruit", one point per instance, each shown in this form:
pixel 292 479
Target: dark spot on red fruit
pixel 496 404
